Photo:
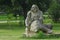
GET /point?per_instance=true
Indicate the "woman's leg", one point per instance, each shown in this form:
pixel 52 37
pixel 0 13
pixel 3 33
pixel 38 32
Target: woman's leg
pixel 45 29
pixel 27 31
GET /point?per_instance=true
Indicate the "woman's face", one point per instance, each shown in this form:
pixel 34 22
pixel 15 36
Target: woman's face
pixel 34 8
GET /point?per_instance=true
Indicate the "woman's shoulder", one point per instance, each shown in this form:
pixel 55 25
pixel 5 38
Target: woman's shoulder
pixel 29 12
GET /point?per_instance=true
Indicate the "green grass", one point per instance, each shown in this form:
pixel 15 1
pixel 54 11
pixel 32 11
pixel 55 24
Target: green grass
pixel 10 32
pixel 10 17
pixel 15 32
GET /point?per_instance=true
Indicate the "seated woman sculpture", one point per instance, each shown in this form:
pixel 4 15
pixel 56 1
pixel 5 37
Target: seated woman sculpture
pixel 34 21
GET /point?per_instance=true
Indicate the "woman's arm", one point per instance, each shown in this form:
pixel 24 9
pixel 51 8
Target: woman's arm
pixel 28 18
pixel 41 17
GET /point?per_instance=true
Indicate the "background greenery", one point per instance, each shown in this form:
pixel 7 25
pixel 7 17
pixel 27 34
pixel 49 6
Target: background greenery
pixel 13 14
pixel 20 7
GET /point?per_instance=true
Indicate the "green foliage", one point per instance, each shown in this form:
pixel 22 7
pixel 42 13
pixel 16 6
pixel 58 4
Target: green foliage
pixel 54 11
pixel 43 4
pixel 47 19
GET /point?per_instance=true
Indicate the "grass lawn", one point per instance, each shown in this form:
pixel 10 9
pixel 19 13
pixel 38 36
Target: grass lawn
pixel 10 32
pixel 14 32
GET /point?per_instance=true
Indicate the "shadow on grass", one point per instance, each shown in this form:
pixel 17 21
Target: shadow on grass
pixel 11 26
pixel 52 36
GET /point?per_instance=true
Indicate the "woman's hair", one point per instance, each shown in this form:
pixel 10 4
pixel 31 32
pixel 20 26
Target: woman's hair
pixel 34 8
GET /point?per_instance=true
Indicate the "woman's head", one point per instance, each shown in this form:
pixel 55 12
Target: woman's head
pixel 34 8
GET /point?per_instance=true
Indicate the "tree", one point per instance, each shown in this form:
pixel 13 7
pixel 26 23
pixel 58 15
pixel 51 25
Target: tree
pixel 54 10
pixel 25 4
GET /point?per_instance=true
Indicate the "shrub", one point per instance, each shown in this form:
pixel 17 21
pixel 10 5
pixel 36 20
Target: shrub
pixel 54 11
